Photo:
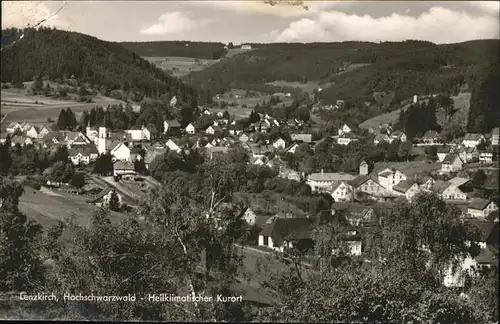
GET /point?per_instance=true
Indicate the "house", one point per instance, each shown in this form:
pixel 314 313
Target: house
pixel 341 191
pixel 246 47
pixel 379 138
pixel 12 127
pixel 286 232
pixel 279 144
pixel 210 130
pixel 243 138
pixel 473 139
pixel 33 132
pixel 190 129
pixel 121 168
pixel 346 139
pixel 83 154
pixel 481 208
pixel 486 157
pixel 431 137
pixel 427 183
pixel 236 129
pixel 451 163
pixel 76 138
pixel 406 188
pixel 259 151
pixel 344 130
pixel 442 152
pixel 104 196
pixel 398 136
pixel 53 138
pixel 171 126
pixel 305 138
pixel 495 136
pixel 320 182
pixel 121 152
pixel 449 191
pixel 139 133
pixel 469 154
pixel 43 131
pixel 289 174
pixel 292 148
pixel 463 184
pixel 172 146
pixel 364 168
pixel 21 140
pixel 91 133
pixel 368 184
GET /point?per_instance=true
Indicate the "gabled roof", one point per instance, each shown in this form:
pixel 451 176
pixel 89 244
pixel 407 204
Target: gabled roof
pixel 458 181
pixel 479 203
pixel 84 150
pixel 337 184
pixel 450 158
pixel 103 193
pixel 331 177
pixel 281 228
pixel 358 181
pixel 473 137
pixel 403 186
pixel 440 186
pixel 444 149
pixel 152 128
pixel 486 256
pixel 173 123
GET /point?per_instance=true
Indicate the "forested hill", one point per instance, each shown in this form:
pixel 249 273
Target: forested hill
pixel 356 69
pixel 200 50
pixel 59 54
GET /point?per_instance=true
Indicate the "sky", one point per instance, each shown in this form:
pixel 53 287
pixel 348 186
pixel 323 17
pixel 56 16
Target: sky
pixel 256 21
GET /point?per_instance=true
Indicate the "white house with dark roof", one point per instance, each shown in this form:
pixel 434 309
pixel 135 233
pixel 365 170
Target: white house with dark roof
pixel 13 126
pixel 170 144
pixel 431 137
pixel 171 125
pixel 442 152
pixel 449 190
pixel 102 199
pixel 284 232
pixel 306 138
pixel 190 129
pixel 279 144
pixel 322 181
pixel 473 139
pixel 121 168
pixel 344 130
pixel 481 208
pixel 121 152
pixel 33 131
pixel 469 154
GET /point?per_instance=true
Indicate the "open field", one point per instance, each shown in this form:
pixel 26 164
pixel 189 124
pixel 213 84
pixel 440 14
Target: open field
pixel 48 207
pixel 180 66
pixel 19 106
pixel 236 51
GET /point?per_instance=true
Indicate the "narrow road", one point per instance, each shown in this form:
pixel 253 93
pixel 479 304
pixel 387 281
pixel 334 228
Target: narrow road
pixel 3 118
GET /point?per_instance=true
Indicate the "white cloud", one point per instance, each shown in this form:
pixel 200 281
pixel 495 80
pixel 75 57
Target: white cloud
pixel 281 9
pixel 20 14
pixel 438 25
pixel 173 22
pixel 491 7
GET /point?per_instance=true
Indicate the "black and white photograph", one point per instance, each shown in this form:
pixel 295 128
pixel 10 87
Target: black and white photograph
pixel 250 161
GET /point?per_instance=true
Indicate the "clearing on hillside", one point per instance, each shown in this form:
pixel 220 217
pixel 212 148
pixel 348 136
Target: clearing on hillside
pixel 180 66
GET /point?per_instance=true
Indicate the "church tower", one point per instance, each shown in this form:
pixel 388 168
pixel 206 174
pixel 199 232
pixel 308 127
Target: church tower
pixel 101 141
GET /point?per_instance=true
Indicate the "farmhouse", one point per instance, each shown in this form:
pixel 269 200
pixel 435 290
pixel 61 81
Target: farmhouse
pixel 481 208
pixel 13 126
pixel 76 138
pixel 21 140
pixel 33 132
pixel 449 191
pixel 83 154
pixel 172 146
pixel 344 130
pixel 442 152
pixel 473 139
pixel 104 196
pixel 286 232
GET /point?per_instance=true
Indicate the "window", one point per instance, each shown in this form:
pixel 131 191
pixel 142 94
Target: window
pixel 266 240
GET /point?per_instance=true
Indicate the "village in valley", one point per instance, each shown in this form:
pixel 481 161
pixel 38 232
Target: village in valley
pixel 313 182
